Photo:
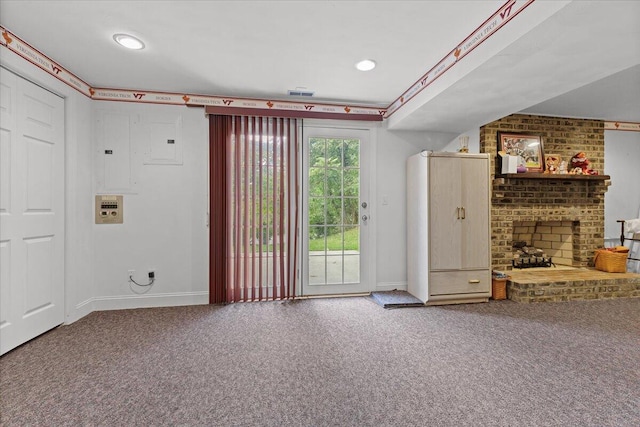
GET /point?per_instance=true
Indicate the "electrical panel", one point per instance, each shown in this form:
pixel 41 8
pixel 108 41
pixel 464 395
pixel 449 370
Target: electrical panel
pixel 108 209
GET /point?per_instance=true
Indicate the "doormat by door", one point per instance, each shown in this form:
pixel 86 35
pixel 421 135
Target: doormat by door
pixel 396 299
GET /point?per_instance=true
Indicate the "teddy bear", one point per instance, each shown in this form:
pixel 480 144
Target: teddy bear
pixel 552 163
pixel 580 165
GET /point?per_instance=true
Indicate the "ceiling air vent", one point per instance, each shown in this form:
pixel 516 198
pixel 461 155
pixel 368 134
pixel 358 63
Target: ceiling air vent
pixel 301 92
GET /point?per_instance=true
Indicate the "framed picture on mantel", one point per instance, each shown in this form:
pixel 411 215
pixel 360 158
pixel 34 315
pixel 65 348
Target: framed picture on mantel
pixel 527 147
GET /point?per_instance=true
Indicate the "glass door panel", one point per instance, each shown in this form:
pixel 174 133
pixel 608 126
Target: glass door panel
pixel 335 231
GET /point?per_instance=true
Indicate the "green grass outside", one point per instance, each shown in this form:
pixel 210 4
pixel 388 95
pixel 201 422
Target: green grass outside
pixel 334 241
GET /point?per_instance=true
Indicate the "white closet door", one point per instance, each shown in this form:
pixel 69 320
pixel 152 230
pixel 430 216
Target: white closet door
pixel 31 210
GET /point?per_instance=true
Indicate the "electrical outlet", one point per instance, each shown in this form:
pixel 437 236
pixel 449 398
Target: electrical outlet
pixel 130 275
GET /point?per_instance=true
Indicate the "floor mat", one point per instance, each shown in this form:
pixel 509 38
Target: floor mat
pixel 396 299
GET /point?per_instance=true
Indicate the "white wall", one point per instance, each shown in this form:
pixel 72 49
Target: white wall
pixel 622 200
pixel 79 213
pixel 474 142
pixel 165 209
pixel 78 186
pixel 165 219
pixel 393 149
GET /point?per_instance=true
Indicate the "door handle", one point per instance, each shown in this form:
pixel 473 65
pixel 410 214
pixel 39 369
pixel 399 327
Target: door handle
pixel 464 213
pixel 458 212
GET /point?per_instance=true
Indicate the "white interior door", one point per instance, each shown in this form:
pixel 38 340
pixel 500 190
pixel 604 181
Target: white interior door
pixel 336 211
pixel 31 210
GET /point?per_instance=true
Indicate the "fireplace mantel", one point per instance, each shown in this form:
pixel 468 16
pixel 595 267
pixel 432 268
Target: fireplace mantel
pixel 592 183
pixel 562 177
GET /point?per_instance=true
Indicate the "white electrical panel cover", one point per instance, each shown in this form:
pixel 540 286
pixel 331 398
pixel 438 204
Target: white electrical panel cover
pixel 163 135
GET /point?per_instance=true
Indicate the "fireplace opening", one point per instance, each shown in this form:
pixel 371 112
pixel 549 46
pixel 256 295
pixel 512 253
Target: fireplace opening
pixel 543 243
pixel 526 255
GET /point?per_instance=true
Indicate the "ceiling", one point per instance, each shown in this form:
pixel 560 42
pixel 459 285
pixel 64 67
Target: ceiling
pixel 561 58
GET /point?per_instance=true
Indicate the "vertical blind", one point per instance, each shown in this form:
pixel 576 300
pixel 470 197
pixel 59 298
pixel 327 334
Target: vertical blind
pixel 254 208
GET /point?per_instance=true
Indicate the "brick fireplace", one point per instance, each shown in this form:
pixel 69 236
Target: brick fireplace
pixel 554 238
pixel 572 204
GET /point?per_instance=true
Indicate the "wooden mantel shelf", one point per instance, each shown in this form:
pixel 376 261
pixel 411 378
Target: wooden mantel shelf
pixel 563 177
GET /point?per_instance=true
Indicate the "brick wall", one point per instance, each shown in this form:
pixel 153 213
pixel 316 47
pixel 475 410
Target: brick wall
pixel 555 238
pixel 519 200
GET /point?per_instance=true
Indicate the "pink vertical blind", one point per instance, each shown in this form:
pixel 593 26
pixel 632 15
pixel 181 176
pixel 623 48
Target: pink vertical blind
pixel 261 208
pixel 219 133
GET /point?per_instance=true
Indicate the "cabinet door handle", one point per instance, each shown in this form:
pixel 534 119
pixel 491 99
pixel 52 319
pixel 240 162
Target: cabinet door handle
pixel 464 213
pixel 458 210
pixel 474 281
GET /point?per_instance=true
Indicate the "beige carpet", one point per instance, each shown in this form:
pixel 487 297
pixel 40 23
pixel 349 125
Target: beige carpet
pixel 333 362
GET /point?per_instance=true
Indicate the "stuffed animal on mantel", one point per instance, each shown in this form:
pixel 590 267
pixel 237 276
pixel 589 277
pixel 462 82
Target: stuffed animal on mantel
pixel 552 163
pixel 580 165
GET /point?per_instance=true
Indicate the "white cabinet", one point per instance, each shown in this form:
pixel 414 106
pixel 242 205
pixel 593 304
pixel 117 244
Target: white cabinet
pixel 448 237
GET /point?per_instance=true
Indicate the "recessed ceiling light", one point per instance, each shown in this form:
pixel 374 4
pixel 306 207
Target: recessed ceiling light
pixel 366 65
pixel 128 41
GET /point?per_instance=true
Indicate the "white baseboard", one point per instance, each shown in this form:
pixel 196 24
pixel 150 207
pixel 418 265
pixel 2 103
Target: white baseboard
pixel 122 302
pixel 390 286
pixel 81 310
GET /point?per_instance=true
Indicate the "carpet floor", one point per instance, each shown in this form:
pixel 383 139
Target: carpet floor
pixel 333 362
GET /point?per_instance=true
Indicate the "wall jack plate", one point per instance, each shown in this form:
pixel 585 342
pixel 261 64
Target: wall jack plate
pixel 108 209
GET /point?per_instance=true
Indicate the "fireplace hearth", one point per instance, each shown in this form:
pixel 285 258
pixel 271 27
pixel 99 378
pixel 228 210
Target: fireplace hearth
pixel 570 284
